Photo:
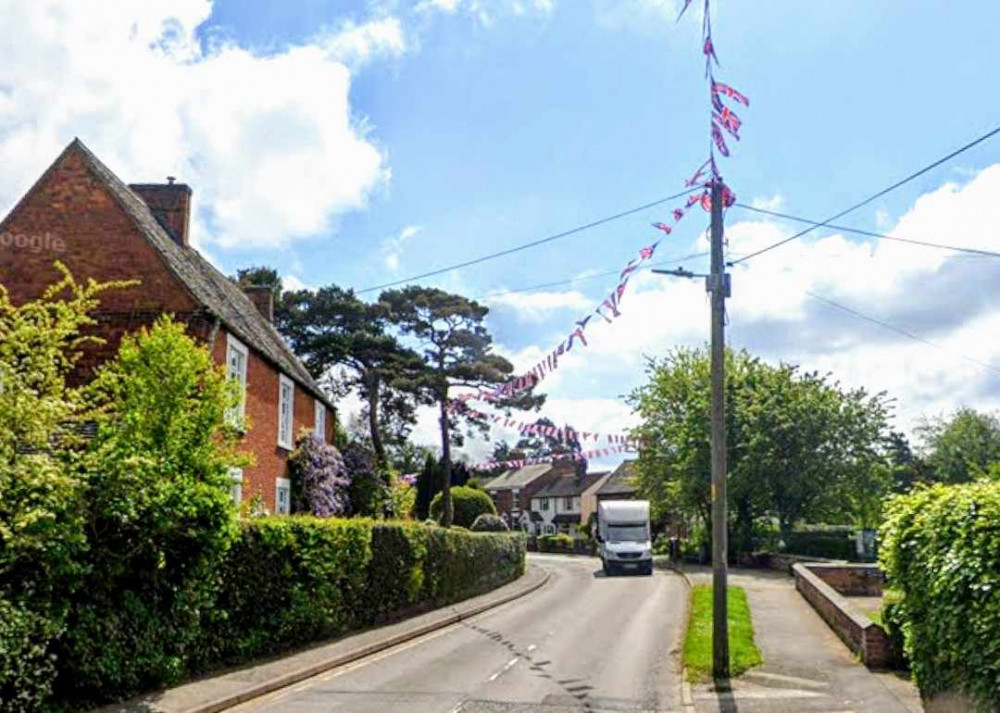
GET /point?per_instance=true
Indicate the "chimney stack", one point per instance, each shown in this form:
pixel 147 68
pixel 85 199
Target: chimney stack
pixel 171 204
pixel 263 298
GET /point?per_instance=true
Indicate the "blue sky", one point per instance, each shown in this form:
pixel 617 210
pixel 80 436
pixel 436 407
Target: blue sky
pixel 361 142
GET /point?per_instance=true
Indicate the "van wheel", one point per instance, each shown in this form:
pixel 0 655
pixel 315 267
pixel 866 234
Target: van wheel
pixel 607 569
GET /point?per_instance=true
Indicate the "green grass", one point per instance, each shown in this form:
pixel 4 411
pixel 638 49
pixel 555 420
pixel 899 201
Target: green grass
pixel 743 652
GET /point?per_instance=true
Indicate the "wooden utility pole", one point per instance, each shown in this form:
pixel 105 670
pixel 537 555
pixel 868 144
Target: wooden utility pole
pixel 718 284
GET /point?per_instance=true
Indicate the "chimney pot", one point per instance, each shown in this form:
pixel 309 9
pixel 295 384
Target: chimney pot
pixel 170 203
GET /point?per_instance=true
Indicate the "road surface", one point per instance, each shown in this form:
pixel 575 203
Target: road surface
pixel 582 642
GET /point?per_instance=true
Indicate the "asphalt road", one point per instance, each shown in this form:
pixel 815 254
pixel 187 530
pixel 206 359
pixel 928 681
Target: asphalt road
pixel 582 642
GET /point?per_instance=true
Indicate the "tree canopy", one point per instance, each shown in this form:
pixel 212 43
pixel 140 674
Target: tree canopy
pixel 962 447
pixel 457 351
pixel 799 445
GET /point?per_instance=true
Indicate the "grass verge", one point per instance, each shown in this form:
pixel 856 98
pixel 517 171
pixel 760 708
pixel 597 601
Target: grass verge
pixel 743 652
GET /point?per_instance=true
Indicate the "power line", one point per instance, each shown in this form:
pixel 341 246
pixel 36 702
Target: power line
pixel 874 197
pixel 912 241
pixel 897 330
pixel 533 243
pixel 666 261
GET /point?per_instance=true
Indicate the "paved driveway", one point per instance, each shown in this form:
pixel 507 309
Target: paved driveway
pixel 582 642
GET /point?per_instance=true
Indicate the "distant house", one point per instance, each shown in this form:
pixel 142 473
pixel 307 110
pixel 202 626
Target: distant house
pixel 82 214
pixel 620 485
pixel 559 505
pixel 513 490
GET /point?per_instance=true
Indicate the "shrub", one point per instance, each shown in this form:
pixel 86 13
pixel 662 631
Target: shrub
pixel 26 668
pixel 941 552
pixel 369 491
pixel 829 545
pixel 467 504
pixel 402 498
pixel 160 518
pixel 559 542
pixel 319 485
pixel 489 523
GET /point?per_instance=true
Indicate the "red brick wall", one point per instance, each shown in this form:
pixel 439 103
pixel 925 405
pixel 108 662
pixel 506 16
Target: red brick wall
pixel 262 413
pixel 71 217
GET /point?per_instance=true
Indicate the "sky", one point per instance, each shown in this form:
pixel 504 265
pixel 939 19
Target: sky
pixel 362 142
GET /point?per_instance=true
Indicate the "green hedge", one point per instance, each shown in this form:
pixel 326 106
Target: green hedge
pixel 829 545
pixel 559 542
pixel 26 667
pixel 290 581
pixel 941 552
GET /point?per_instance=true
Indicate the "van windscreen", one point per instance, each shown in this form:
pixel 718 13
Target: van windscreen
pixel 627 533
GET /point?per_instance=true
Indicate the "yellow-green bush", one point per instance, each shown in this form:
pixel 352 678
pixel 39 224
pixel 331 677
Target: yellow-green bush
pixel 941 551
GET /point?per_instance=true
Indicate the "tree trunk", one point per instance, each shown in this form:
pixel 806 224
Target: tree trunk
pixel 446 507
pixel 373 426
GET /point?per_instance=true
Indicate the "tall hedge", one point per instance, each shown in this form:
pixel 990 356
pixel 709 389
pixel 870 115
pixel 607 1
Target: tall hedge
pixel 941 551
pixel 290 581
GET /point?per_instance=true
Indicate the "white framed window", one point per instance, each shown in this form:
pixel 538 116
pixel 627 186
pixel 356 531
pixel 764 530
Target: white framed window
pixel 568 502
pixel 286 411
pixel 237 359
pixel 236 486
pixel 319 421
pixel 550 529
pixel 282 496
pixel 545 504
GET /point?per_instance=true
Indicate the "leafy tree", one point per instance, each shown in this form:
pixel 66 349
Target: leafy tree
pixel 457 351
pixel 159 514
pixel 42 542
pixel 319 483
pixel 963 447
pixel 332 328
pixel 799 445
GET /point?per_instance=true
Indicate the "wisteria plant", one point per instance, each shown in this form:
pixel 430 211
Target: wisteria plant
pixel 319 481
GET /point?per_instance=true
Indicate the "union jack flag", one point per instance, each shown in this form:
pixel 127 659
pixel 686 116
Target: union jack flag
pixel 720 88
pixel 709 49
pixel 719 141
pixel 662 226
pixel 678 214
pixel 692 200
pixel 729 121
pixel 647 252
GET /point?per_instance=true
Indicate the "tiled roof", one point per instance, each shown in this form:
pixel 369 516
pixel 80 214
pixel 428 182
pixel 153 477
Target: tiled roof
pixel 213 290
pixel 569 484
pixel 518 478
pixel 621 481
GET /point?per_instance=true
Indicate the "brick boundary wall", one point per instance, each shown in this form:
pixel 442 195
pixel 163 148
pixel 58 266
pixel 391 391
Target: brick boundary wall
pixel 780 562
pixel 863 636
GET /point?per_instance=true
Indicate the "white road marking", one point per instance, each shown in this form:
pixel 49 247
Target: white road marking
pixel 510 664
pixel 807 682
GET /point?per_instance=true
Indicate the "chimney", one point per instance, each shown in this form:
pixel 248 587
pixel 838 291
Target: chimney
pixel 263 298
pixel 171 204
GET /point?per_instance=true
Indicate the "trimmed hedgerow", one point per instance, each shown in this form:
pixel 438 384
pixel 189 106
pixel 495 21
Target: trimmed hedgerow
pixel 467 505
pixel 27 669
pixel 290 581
pixel 941 551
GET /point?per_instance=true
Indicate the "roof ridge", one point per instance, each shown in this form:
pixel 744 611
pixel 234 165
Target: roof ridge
pixel 204 282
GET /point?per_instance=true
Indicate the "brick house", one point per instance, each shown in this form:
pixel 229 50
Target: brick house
pixel 561 505
pixel 512 491
pixel 81 214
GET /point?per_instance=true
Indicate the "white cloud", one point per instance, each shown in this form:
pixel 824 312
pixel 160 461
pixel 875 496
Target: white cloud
pixel 292 283
pixel 538 306
pixel 393 247
pixel 487 11
pixel 775 202
pixel 642 15
pixel 356 45
pixel 270 143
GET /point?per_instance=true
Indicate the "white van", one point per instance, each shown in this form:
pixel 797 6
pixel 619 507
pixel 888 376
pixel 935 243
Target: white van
pixel 624 536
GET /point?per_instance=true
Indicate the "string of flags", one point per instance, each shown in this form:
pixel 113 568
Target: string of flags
pixel 520 463
pixel 562 434
pixel 724 122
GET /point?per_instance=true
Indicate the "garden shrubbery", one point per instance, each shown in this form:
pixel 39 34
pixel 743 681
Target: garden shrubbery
pixel 941 552
pixel 837 545
pixel 559 542
pixel 467 505
pixel 489 523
